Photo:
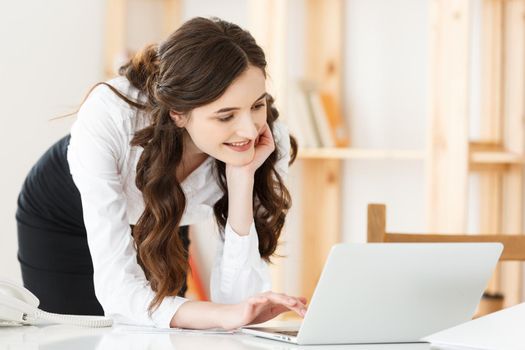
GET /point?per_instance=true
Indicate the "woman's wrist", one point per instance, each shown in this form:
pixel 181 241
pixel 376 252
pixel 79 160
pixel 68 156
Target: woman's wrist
pixel 199 315
pixel 238 173
pixel 240 200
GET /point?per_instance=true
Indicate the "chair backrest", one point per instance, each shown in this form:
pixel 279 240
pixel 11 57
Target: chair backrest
pixel 514 245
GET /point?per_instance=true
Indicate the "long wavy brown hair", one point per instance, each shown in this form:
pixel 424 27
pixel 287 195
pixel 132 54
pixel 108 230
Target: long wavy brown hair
pixel 191 68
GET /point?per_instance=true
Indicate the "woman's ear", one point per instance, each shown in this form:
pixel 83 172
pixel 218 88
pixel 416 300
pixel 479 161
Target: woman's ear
pixel 179 118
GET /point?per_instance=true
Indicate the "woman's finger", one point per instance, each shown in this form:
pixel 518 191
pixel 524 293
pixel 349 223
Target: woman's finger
pixel 299 304
pixel 258 300
pixel 294 300
pixel 290 302
pixel 297 301
pixel 265 135
pixel 256 307
pixel 263 129
pixel 281 298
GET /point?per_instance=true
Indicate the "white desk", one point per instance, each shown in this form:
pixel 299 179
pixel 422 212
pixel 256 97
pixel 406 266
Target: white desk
pixel 60 337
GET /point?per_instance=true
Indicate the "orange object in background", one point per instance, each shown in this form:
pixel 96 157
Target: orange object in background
pixel 336 122
pixel 196 289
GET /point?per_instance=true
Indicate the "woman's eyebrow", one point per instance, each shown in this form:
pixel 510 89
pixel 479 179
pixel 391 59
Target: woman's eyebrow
pixel 227 109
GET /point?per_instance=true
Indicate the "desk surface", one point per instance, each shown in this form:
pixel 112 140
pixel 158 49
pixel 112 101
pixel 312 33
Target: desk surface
pixel 61 337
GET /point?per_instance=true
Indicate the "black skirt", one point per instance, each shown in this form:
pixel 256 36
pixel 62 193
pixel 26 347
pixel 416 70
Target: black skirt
pixel 52 245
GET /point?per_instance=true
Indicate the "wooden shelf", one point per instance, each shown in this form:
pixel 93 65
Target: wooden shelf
pixel 356 153
pixel 484 152
pixel 496 157
pixel 478 157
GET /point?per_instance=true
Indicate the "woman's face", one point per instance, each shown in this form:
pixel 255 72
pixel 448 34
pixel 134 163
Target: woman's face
pixel 227 128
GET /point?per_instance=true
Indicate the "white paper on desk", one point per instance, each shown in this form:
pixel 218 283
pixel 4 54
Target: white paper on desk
pixel 149 330
pixel 502 330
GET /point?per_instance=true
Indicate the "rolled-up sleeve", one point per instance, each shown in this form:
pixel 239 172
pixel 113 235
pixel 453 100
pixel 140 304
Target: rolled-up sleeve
pixel 98 144
pixel 239 271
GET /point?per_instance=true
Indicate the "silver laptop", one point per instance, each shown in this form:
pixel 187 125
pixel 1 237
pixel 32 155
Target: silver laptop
pixel 392 292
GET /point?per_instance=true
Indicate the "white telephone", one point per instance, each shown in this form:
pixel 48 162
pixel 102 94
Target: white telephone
pixel 18 306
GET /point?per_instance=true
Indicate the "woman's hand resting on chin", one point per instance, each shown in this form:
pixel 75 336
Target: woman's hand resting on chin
pixel 264 146
pixel 240 181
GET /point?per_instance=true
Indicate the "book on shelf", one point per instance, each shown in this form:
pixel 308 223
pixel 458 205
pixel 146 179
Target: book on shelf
pixel 315 118
pixel 320 118
pixel 300 119
pixel 338 127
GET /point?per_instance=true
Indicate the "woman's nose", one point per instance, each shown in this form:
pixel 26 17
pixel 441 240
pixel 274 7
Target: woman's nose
pixel 247 127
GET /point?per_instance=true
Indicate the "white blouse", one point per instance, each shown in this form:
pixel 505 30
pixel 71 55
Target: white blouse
pixel 103 164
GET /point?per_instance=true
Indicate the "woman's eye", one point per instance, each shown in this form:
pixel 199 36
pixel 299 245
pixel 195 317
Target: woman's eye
pixel 225 119
pixel 259 106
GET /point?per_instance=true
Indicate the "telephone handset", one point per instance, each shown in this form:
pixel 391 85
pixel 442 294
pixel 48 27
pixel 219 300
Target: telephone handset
pixel 18 306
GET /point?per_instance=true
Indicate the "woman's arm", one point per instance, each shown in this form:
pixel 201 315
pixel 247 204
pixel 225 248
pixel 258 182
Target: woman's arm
pixel 99 140
pixel 256 309
pixel 239 272
pixel 240 198
pixel 240 181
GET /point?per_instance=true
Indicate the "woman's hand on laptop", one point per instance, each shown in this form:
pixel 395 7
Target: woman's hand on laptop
pixel 261 308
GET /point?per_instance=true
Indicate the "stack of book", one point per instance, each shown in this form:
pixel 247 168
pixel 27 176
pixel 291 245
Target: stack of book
pixel 315 118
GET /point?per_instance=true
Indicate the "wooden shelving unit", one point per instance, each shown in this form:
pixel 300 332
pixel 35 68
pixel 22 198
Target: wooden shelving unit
pixel 322 180
pixel 498 158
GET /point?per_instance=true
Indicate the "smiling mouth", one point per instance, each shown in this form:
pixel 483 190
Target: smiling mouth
pixel 239 146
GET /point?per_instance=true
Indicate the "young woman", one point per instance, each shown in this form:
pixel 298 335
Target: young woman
pixel 187 131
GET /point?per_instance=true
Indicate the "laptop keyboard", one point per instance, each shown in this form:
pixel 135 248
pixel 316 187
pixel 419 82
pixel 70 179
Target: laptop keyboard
pixel 275 330
pixel 290 333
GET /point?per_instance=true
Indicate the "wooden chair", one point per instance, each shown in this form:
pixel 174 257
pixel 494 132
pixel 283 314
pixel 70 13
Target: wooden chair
pixel 514 247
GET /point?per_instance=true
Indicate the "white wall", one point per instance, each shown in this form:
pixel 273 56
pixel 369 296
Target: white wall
pixel 51 53
pixel 235 11
pixel 385 78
